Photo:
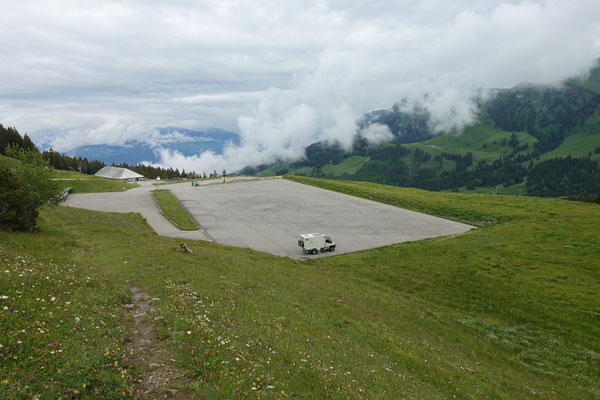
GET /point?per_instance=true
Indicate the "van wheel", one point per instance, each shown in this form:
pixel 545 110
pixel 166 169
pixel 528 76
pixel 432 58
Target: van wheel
pixel 332 248
pixel 314 251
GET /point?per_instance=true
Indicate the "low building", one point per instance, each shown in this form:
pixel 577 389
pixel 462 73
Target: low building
pixel 121 174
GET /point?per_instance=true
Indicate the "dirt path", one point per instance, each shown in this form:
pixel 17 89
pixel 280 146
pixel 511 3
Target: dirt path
pixel 157 373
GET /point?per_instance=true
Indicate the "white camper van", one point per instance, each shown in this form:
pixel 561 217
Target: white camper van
pixel 315 243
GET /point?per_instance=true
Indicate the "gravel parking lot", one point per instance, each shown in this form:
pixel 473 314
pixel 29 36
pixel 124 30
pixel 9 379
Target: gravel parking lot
pixel 268 215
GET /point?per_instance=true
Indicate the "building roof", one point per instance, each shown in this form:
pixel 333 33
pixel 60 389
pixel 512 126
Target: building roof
pixel 118 173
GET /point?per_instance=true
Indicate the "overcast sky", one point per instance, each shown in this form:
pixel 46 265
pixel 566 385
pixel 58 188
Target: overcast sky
pixel 283 74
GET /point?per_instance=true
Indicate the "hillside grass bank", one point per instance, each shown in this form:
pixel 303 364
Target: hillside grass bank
pixel 509 310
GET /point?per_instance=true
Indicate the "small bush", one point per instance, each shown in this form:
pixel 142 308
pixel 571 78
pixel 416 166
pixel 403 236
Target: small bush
pixel 25 188
pixel 18 211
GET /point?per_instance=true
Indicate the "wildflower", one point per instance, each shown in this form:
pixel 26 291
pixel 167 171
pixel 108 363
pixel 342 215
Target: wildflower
pixel 3 297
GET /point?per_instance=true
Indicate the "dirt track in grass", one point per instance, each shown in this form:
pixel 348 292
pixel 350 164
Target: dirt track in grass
pixel 157 373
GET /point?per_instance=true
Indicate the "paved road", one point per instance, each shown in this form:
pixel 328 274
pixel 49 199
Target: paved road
pixel 268 215
pixel 138 200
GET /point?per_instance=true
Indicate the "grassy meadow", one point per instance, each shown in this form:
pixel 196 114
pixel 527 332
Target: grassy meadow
pixel 481 140
pixel 79 183
pixel 82 183
pixel 173 211
pixel 348 166
pixel 510 310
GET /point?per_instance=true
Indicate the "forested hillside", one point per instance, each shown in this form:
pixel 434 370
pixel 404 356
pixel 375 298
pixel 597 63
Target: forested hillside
pixel 535 140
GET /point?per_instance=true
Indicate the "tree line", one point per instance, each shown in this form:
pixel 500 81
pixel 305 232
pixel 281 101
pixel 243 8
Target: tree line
pixel 11 137
pixel 71 163
pixel 394 164
pixel 61 161
pixel 83 165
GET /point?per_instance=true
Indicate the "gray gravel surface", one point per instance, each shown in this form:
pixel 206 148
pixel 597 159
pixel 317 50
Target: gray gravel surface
pixel 268 215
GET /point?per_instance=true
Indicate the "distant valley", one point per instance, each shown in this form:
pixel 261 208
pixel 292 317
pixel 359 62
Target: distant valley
pixel 188 142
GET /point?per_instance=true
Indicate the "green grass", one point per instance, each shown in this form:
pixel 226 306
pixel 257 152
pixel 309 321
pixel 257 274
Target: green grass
pixel 79 183
pixel 82 183
pixel 483 141
pixel 576 145
pixel 504 311
pixel 347 167
pixel 580 142
pixel 270 171
pixel 9 162
pixel 518 189
pixel 173 210
pixel 592 82
pixel 61 331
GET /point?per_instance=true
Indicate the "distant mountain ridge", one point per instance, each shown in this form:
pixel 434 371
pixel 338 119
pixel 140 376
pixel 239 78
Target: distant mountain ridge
pixel 188 142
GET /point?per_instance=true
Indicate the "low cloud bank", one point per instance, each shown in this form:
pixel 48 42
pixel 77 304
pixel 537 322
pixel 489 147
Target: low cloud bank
pixel 442 68
pixel 308 74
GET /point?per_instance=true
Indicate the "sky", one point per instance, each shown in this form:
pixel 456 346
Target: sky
pixel 281 74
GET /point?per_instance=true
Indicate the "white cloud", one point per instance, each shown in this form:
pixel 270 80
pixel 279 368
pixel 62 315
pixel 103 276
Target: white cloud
pixel 205 162
pixel 376 133
pixel 284 74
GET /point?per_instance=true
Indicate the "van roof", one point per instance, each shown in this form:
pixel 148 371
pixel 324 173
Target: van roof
pixel 310 235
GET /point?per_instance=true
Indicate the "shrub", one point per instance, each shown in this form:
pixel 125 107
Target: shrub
pixel 24 189
pixel 17 207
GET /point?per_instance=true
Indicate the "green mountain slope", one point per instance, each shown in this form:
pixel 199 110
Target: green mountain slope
pixel 515 130
pixel 483 139
pixel 590 82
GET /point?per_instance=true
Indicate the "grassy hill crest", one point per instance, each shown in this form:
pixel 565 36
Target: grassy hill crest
pixel 504 311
